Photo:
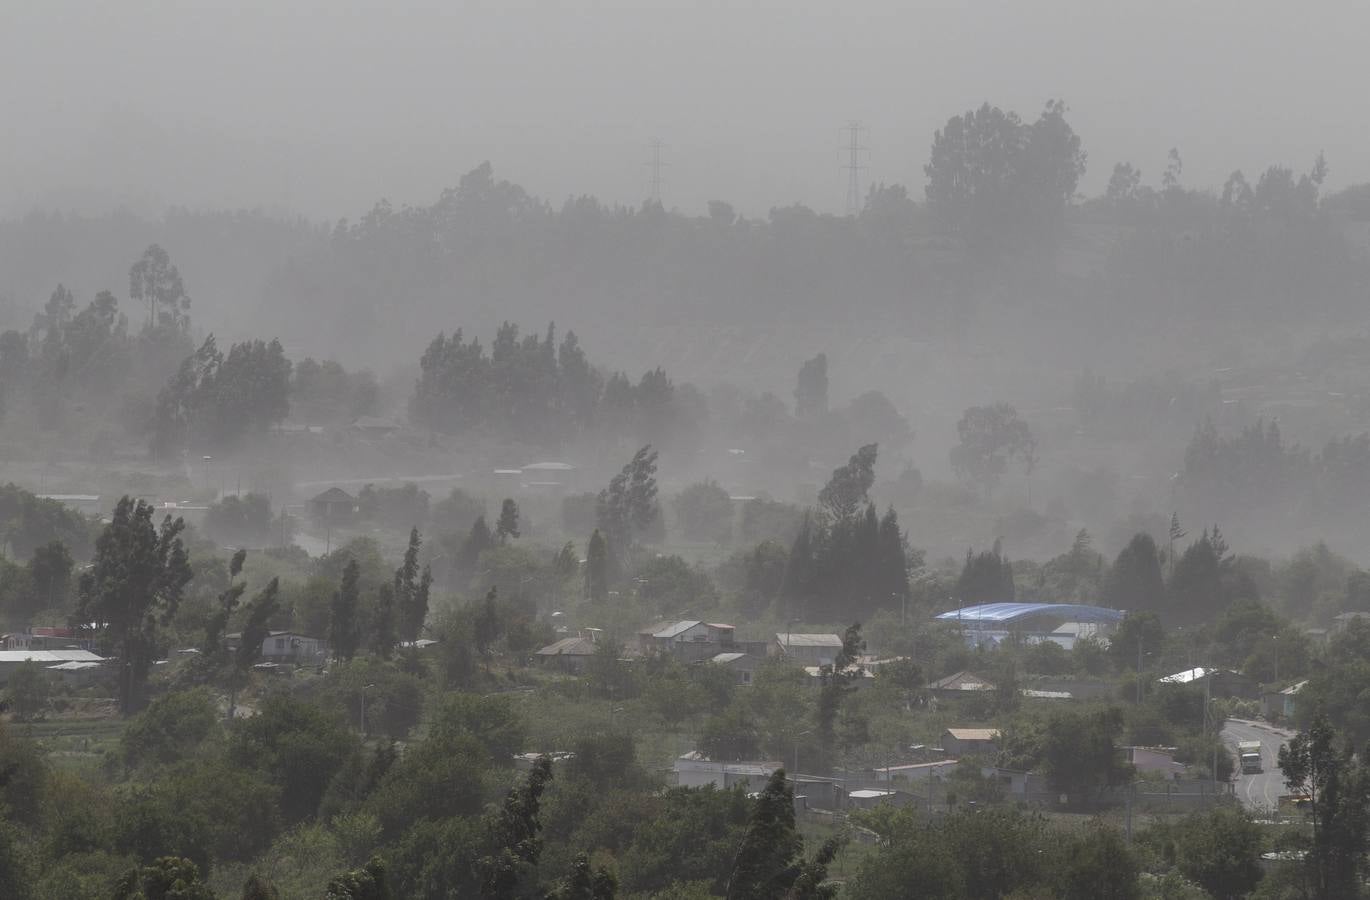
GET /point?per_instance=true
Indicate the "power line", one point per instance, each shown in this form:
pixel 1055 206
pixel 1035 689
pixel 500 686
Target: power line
pixel 857 153
pixel 655 165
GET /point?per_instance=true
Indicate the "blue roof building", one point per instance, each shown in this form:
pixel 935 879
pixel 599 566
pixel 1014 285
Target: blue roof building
pixel 991 622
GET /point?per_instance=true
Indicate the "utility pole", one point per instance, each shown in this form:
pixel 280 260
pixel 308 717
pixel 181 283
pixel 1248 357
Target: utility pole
pixel 1139 670
pixel 654 181
pixel 856 156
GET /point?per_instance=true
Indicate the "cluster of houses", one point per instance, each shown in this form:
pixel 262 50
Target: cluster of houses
pixel 917 782
pixel 69 653
pixel 693 641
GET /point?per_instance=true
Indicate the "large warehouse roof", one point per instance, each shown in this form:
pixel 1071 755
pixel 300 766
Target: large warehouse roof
pixel 1009 613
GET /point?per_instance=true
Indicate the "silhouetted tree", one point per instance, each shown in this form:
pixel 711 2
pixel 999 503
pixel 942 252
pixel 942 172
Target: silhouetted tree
pixel 1134 582
pixel 344 623
pixel 597 567
pixel 133 588
pixel 811 388
pixel 508 524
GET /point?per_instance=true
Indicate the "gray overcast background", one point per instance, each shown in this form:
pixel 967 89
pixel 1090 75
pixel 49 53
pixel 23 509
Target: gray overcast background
pixel 323 106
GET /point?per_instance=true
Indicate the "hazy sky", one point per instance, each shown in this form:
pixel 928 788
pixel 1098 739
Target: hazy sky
pixel 324 106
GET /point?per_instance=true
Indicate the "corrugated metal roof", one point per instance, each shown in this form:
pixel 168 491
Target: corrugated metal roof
pixel 727 657
pixel 974 734
pixel 1003 613
pixel 49 656
pixel 962 681
pixel 852 671
pixel 867 794
pixel 571 646
pixel 1189 675
pixel 915 767
pixel 675 629
pixel 808 640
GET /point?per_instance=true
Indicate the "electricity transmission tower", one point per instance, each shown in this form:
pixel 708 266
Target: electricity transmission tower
pixel 857 154
pixel 655 165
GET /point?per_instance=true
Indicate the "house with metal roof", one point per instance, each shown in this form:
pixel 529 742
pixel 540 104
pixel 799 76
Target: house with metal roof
pixel 10 660
pixel 741 665
pixel 807 649
pixel 960 684
pixel 696 770
pixel 1217 682
pixel 990 623
pixel 333 505
pixel 688 639
pixel 1283 703
pixel 568 654
pixel 286 647
pixel 960 742
pixel 857 676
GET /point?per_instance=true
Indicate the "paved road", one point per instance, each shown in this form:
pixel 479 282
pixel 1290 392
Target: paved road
pixel 1258 793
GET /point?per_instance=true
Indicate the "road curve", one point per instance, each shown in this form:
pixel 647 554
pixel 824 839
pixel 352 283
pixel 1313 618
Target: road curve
pixel 1258 793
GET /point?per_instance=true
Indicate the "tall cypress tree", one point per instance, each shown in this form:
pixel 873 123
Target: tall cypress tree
pixel 133 589
pixel 1134 582
pixel 597 567
pixel 344 629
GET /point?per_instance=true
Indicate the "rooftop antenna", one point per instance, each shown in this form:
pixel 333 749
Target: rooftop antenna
pixel 655 165
pixel 857 154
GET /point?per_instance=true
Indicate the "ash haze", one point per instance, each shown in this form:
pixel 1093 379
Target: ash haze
pixel 320 108
pixel 405 492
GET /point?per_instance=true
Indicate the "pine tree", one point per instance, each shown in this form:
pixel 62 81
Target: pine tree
pixel 383 622
pixel 764 866
pixel 801 568
pixel 412 589
pixel 508 524
pixel 597 567
pixel 1134 582
pixel 513 831
pixel 986 577
pixel 133 589
pixel 344 628
pixel 477 542
pixel 891 561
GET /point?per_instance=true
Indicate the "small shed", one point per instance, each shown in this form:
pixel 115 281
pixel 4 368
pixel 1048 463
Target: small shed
pixel 696 770
pixel 1218 682
pixel 375 426
pixel 965 741
pixel 857 676
pixel 10 660
pixel 333 505
pixel 1344 620
pixel 807 649
pixel 960 684
pixel 287 647
pixel 1283 703
pixel 869 798
pixel 742 665
pixel 922 771
pixel 568 654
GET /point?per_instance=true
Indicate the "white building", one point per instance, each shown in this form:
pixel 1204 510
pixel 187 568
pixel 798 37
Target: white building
pixel 288 647
pixel 807 649
pixel 695 770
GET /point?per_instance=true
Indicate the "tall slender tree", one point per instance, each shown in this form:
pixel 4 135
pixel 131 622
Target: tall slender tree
pixel 508 524
pixel 597 567
pixel 412 589
pixel 344 626
pixel 133 589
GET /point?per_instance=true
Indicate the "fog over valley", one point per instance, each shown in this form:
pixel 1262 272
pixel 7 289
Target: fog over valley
pixel 757 451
